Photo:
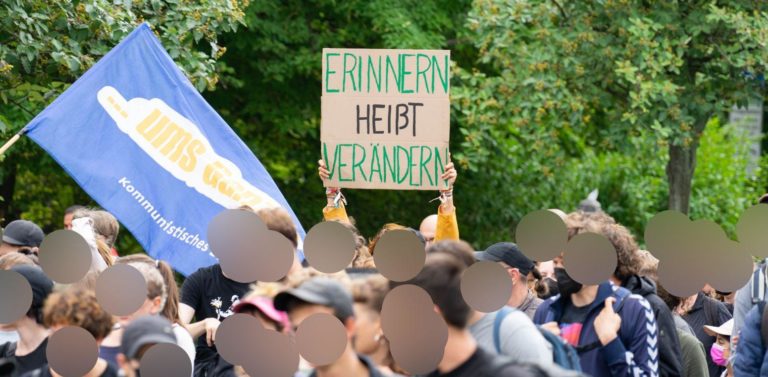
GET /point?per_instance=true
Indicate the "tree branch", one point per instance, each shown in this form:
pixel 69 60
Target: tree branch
pixel 560 7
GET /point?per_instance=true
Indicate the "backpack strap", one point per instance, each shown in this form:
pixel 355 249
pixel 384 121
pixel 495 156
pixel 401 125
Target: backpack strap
pixel 500 315
pixel 758 282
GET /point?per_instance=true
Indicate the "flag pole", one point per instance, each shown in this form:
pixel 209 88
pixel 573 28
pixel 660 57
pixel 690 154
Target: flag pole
pixel 12 141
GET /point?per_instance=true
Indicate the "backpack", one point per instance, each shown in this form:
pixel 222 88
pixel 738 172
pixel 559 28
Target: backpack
pixel 564 355
pixel 763 323
pixel 759 283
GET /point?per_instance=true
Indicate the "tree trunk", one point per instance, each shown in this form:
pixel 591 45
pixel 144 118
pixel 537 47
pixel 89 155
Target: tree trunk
pixel 680 168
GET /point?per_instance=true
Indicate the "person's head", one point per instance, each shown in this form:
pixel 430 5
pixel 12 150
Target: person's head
pixel 138 337
pixel 279 220
pixel 23 236
pixel 156 293
pixel 547 269
pixel 41 285
pixel 518 266
pixel 368 295
pixel 77 307
pixel 15 259
pixel 105 225
pixel 456 248
pixel 441 279
pixel 68 214
pixel 171 308
pixel 262 308
pixel 629 260
pixel 386 228
pixel 721 349
pixel 428 229
pixel 363 257
pixel 319 295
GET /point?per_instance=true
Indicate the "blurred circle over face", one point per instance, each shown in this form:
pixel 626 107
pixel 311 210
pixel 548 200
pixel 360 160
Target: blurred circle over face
pixel 417 334
pixel 165 359
pixel 15 295
pixel 541 235
pixel 751 230
pixel 234 337
pixel 321 339
pixel 273 354
pixel 590 258
pixel 121 289
pixel 65 256
pixel 662 233
pixel 329 247
pixel 246 249
pixel 399 255
pixel 72 351
pixel 486 286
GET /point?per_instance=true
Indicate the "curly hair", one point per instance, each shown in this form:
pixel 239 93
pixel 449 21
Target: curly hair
pixel 629 260
pixel 77 307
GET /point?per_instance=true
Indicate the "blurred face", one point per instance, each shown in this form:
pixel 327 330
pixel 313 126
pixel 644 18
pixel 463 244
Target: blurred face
pixel 547 269
pixel 726 344
pixel 298 314
pixel 302 312
pixel 68 221
pixel 367 330
pixel 148 307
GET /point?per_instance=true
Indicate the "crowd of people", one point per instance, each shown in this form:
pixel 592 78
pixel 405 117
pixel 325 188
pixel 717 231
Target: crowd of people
pixel 628 325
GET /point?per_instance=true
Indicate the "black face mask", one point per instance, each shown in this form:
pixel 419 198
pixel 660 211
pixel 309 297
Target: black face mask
pixel 565 284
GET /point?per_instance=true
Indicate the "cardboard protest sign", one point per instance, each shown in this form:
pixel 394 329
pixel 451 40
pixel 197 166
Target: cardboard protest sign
pixel 385 118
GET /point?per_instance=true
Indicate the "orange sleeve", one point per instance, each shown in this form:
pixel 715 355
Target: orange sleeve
pixel 336 214
pixel 447 225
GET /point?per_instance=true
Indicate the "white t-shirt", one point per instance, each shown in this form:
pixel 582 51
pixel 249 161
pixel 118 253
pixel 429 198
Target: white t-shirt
pixel 184 340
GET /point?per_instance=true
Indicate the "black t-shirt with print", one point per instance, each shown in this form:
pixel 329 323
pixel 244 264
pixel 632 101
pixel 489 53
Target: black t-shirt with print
pixel 212 295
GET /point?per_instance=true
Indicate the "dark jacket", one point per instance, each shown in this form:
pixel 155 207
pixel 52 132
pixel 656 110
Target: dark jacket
pixel 633 353
pixel 751 358
pixel 670 354
pixel 710 312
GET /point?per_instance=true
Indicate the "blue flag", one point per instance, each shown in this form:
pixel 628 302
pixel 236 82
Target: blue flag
pixel 143 143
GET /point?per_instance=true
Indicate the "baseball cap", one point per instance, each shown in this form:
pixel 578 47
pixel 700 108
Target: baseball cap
pixel 23 233
pixel 508 253
pixel 148 329
pixel 319 291
pixel 725 329
pixel 41 284
pixel 263 305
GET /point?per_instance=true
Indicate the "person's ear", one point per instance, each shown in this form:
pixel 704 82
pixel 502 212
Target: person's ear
pixel 351 326
pixel 156 304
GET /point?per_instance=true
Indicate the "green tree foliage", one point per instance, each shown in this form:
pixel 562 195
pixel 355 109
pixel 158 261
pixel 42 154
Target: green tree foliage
pixel 47 45
pixel 607 71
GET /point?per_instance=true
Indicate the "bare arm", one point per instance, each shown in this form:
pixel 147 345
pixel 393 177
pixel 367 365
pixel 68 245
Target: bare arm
pixel 207 326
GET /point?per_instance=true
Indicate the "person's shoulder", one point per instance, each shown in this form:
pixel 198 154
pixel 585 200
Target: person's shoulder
pixel 516 318
pixel 544 307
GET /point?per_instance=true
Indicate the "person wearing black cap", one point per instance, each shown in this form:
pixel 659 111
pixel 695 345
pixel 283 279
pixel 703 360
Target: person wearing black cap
pixel 325 295
pixel 23 236
pixel 519 268
pixel 29 352
pixel 138 336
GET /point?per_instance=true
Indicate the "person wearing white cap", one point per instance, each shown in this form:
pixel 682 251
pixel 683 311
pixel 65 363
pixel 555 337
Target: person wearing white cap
pixel 721 349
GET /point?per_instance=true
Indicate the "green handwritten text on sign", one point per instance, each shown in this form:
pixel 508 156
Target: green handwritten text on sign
pixel 385 118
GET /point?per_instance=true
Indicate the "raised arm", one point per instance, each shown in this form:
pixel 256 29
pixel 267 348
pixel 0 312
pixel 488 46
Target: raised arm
pixel 335 204
pixel 447 224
